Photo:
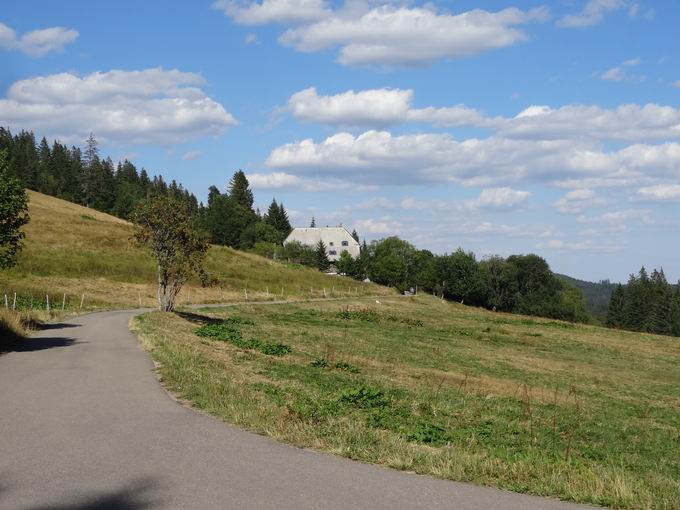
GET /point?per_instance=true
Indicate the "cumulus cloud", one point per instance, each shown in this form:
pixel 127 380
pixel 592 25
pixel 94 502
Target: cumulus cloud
pixel 377 108
pixel 403 36
pixel 378 156
pixel 498 199
pixel 149 106
pixel 594 12
pixel 283 180
pixel 273 11
pixel 384 107
pixel 37 42
pixel 660 193
pixel 578 200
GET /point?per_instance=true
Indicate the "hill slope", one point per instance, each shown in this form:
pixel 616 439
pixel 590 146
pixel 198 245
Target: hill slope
pixel 75 250
pixel 596 294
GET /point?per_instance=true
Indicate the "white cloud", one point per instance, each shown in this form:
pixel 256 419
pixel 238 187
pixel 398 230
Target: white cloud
pixel 499 199
pixel 502 198
pixel 191 155
pixel 377 156
pixel 619 73
pixel 583 246
pixel 660 193
pixel 677 84
pixel 391 35
pixel 593 13
pixel 578 200
pixel 283 180
pixel 628 122
pixel 377 108
pixel 623 217
pixel 384 107
pixel 37 42
pixel 251 39
pixel 273 11
pixel 368 107
pixel 149 106
pixel 379 226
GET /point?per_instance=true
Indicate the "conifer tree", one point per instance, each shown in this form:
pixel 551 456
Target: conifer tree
pixel 239 190
pixel 312 223
pixel 615 314
pixel 355 235
pixel 321 257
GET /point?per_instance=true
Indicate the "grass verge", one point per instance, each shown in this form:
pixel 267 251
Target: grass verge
pixel 571 411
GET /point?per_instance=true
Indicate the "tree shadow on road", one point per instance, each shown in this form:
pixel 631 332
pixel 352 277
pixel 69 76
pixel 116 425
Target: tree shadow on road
pixel 40 344
pixel 135 496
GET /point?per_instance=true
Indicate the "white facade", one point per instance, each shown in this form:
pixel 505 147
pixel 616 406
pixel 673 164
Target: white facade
pixel 336 239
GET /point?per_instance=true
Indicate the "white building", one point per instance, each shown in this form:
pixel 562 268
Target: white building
pixel 336 239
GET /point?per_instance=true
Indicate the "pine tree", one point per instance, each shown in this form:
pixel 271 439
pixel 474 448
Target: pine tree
pixel 313 223
pixel 239 190
pixel 615 314
pixel 321 257
pixel 675 311
pixel 659 320
pixel 355 235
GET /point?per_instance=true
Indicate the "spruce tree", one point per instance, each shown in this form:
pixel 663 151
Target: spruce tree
pixel 312 223
pixel 615 313
pixel 321 257
pixel 355 235
pixel 239 190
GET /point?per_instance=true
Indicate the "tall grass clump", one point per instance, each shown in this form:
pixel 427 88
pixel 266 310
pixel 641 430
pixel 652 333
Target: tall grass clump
pixel 11 329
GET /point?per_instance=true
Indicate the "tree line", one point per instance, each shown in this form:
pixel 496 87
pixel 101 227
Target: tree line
pixel 647 303
pixel 86 178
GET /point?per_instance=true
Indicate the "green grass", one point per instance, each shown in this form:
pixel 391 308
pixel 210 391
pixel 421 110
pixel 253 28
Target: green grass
pixel 77 251
pixel 571 411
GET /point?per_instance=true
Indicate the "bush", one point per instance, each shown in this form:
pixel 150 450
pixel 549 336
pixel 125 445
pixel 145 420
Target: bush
pixel 363 397
pixel 227 331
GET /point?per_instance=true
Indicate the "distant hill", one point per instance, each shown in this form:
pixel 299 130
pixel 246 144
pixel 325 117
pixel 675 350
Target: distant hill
pixel 597 295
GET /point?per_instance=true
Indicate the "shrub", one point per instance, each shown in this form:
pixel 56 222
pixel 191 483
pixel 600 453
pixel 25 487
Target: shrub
pixel 363 397
pixel 363 314
pixel 228 331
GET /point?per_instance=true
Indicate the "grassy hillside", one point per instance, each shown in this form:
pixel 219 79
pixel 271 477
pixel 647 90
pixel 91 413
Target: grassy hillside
pixel 75 250
pixel 532 405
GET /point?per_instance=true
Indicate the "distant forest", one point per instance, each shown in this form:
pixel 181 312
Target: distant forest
pixel 518 284
pixel 596 294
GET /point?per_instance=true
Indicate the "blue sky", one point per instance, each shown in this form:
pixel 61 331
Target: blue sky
pixel 501 127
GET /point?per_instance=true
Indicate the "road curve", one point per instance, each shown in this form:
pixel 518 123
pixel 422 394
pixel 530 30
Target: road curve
pixel 84 425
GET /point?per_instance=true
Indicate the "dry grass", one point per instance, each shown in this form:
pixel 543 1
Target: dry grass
pixel 74 250
pixel 577 412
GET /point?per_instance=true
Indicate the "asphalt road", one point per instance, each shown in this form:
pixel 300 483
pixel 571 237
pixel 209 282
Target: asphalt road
pixel 84 424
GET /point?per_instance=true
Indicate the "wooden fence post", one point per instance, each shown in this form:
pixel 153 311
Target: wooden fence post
pixel 63 302
pixel 82 299
pixel 6 302
pixel 14 303
pixel 47 301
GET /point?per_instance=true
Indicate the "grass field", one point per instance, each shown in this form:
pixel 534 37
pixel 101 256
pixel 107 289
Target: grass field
pixel 75 251
pixel 531 405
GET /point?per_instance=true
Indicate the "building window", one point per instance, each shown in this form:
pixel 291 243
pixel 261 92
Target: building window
pixel 345 243
pixel 332 252
pixel 331 243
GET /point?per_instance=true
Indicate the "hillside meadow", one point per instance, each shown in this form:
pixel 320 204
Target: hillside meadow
pixel 551 408
pixel 80 252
